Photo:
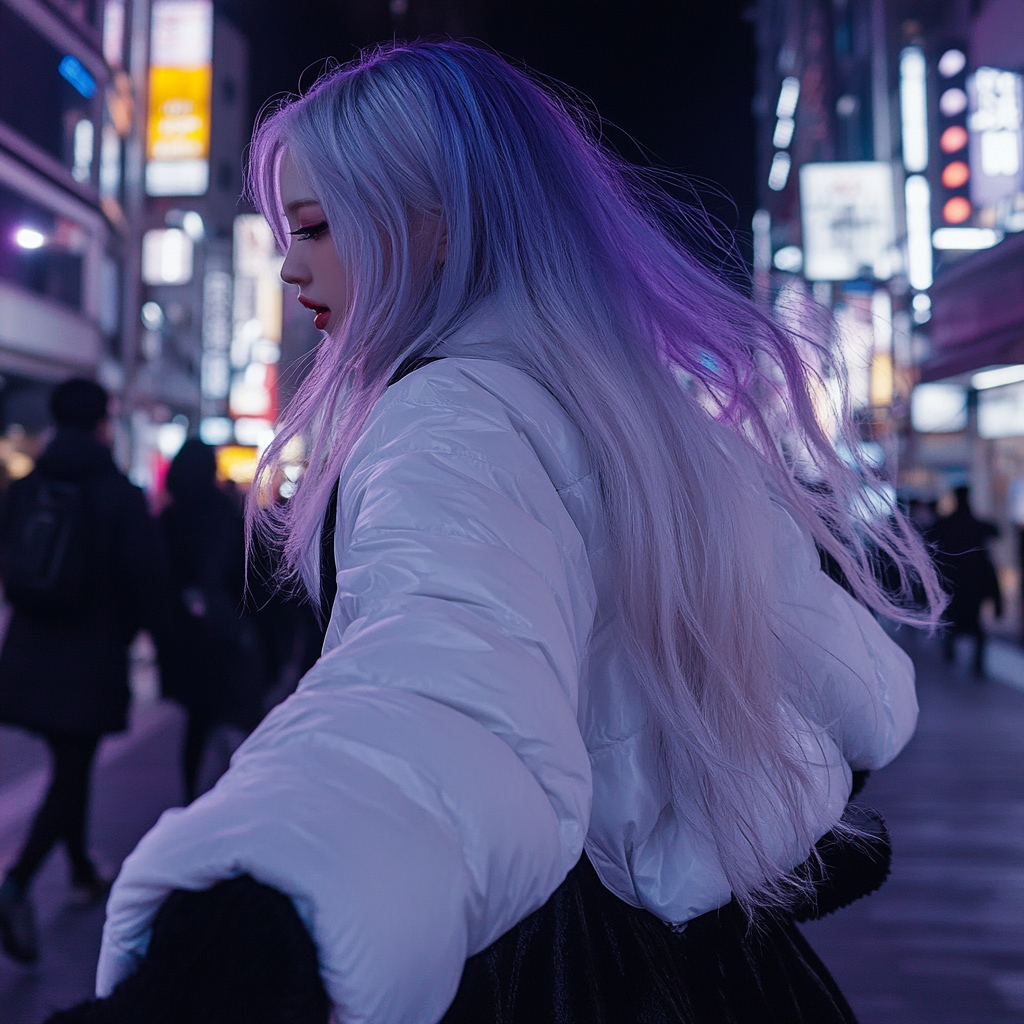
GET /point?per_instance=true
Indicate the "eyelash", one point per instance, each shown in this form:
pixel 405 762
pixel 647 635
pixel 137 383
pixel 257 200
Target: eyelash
pixel 310 232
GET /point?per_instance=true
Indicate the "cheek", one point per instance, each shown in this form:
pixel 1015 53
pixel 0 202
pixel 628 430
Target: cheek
pixel 337 279
pixel 342 279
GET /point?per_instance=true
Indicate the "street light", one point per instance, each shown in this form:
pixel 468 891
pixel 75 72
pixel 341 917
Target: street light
pixel 29 238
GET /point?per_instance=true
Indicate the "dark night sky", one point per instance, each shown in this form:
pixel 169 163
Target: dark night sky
pixel 676 76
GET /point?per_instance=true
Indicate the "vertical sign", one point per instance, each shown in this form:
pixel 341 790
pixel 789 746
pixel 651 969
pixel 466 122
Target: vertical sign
pixel 256 337
pixel 952 194
pixel 215 376
pixel 996 101
pixel 180 81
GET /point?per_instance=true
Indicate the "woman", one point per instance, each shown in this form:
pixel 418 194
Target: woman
pixel 579 606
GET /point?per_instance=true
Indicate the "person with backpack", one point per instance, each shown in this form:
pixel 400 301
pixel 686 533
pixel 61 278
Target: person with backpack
pixel 82 564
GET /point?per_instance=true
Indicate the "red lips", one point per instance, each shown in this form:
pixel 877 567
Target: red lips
pixel 323 313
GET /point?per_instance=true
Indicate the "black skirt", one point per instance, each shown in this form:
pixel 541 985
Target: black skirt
pixel 586 957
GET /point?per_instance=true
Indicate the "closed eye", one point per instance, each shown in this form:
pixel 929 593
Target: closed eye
pixel 309 232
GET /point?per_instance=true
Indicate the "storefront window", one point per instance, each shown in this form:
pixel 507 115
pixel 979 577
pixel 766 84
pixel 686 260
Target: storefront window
pixel 53 108
pixel 39 250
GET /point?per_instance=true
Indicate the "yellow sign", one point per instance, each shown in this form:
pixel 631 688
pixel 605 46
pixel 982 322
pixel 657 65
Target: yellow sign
pixel 179 113
pixel 180 86
pixel 236 463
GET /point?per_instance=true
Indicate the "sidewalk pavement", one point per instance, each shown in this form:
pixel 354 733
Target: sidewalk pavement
pixel 942 942
pixel 1005 663
pixel 135 779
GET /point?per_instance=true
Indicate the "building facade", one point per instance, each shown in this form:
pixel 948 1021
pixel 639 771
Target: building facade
pixel 122 127
pixel 67 118
pixel 183 320
pixel 892 194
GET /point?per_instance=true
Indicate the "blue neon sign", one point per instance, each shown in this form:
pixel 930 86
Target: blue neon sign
pixel 72 70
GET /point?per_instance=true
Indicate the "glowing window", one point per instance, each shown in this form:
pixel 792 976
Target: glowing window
pixel 938 408
pixel 913 109
pixel 778 173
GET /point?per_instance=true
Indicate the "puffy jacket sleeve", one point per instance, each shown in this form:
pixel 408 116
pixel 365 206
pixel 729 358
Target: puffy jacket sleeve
pixel 846 673
pixel 427 785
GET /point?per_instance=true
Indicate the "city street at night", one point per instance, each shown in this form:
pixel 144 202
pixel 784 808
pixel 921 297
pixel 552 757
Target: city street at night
pixel 941 943
pixel 465 433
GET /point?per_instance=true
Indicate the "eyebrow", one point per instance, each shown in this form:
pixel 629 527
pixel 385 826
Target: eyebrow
pixel 297 204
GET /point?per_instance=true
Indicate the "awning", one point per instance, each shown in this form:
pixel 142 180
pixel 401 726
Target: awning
pixel 978 312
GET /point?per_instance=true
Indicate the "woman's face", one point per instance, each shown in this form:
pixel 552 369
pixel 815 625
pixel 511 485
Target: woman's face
pixel 311 262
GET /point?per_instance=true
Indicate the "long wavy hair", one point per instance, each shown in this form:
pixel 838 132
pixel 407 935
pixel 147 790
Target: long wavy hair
pixel 693 401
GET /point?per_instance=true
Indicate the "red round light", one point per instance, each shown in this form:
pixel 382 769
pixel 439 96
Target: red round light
pixel 955 174
pixel 956 210
pixel 953 139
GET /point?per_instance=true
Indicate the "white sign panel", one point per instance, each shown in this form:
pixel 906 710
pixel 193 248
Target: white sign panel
pixel 166 256
pixel 1001 411
pixel 938 408
pixel 849 223
pixel 997 157
pixel 182 33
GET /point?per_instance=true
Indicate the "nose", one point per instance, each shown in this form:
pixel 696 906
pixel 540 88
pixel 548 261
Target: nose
pixel 293 270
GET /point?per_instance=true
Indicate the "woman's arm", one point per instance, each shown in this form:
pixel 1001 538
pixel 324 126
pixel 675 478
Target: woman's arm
pixel 427 785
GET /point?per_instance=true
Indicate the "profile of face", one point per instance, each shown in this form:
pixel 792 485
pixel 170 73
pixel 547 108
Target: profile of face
pixel 312 262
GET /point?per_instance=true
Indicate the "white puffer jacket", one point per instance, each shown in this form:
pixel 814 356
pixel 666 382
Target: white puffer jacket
pixel 467 730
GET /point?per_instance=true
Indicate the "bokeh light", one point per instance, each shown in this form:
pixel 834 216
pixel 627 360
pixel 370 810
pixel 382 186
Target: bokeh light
pixel 955 175
pixel 953 139
pixel 956 210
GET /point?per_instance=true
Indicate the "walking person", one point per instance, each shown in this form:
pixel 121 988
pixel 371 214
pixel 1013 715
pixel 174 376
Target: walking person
pixel 83 567
pixel 212 668
pixel 961 546
pixel 587 701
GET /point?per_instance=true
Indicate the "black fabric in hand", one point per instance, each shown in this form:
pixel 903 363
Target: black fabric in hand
pixel 847 868
pixel 234 954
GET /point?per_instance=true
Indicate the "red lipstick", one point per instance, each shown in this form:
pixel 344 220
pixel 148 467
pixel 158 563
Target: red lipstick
pixel 323 313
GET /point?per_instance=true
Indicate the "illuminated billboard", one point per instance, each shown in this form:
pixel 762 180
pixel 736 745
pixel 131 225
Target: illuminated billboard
pixel 996 144
pixel 256 336
pixel 180 84
pixel 848 220
pixel 1001 412
pixel 938 408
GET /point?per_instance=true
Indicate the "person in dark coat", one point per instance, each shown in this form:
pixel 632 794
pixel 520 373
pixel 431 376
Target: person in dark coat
pixel 963 558
pixel 65 676
pixel 212 668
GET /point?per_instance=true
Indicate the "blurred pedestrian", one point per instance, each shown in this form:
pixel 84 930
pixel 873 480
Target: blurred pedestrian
pixel 963 558
pixel 923 515
pixel 83 566
pixel 291 634
pixel 212 667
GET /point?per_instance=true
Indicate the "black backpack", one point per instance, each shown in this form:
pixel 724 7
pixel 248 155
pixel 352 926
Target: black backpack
pixel 45 546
